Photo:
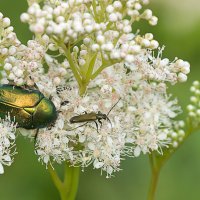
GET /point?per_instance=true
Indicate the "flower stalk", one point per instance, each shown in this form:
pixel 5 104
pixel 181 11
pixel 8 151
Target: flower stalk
pixel 69 186
pixel 155 171
pixel 158 160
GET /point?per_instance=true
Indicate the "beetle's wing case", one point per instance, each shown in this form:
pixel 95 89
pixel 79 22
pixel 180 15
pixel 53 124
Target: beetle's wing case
pixel 19 97
pixel 84 118
pixel 17 114
pixel 21 104
pixel 29 108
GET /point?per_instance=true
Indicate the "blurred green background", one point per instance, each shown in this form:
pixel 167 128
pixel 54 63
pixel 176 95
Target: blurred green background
pixel 179 31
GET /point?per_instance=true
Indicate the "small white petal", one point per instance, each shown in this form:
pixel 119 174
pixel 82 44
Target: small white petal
pixel 98 165
pixel 46 159
pixel 1 169
pixel 7 158
pixel 137 151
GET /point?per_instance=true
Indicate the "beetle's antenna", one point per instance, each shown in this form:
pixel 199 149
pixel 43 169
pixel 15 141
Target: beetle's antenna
pixel 113 107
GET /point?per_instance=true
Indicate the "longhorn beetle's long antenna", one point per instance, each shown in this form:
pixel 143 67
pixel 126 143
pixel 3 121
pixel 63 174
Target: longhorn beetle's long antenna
pixel 111 110
pixel 113 106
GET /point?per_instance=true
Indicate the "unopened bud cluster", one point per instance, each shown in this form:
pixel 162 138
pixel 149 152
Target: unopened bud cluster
pixel 194 106
pixel 8 40
pixel 176 134
pixel 107 31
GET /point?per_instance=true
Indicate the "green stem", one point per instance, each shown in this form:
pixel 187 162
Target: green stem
pixel 72 66
pixel 157 161
pixel 74 184
pixel 56 180
pixel 90 68
pixel 96 16
pixel 153 185
pixel 69 186
pixel 155 171
pixel 70 60
pixel 101 68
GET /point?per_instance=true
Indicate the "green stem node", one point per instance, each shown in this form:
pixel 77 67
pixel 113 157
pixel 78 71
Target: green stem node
pixel 69 186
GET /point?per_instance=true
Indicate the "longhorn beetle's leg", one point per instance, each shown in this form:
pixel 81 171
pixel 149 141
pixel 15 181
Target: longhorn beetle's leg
pixel 100 122
pixel 109 122
pixel 35 137
pixel 97 126
pixel 77 127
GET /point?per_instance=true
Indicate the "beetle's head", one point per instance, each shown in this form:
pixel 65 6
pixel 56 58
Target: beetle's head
pixel 45 113
pixel 101 115
pixel 104 116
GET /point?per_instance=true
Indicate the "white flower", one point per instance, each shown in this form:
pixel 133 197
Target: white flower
pixel 7 142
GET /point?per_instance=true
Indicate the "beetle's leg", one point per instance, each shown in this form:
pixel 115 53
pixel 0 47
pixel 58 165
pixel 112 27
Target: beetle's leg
pixel 64 103
pixel 35 137
pixel 77 127
pixel 109 122
pixel 100 122
pixel 97 126
pixel 35 85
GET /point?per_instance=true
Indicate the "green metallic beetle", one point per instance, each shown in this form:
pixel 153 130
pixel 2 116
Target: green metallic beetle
pixel 29 108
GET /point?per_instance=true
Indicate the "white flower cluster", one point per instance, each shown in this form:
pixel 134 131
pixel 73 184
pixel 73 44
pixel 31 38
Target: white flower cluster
pixel 7 142
pixel 103 27
pixel 158 69
pixel 8 40
pixel 102 145
pixel 25 64
pixel 55 144
pixel 148 111
pixel 140 122
pixel 194 106
pixel 125 104
pixel 108 33
pixel 176 134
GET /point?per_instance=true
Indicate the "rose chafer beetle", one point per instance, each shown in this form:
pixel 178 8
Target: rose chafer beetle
pixel 29 108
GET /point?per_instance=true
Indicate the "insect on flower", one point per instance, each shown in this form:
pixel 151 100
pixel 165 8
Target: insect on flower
pixel 29 108
pixel 92 117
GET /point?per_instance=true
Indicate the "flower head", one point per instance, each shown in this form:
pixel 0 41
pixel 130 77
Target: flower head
pixel 7 142
pixel 87 59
